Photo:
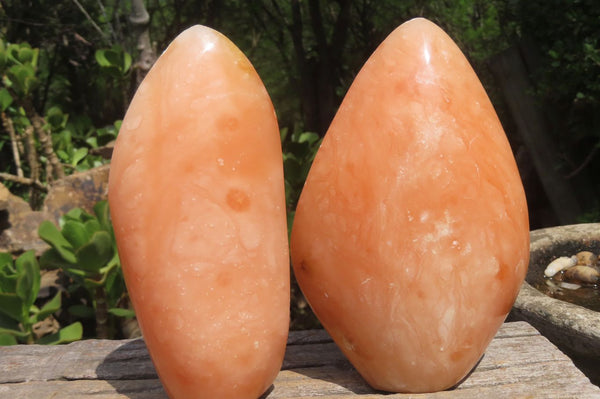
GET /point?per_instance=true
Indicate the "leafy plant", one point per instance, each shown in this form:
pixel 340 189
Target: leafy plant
pixel 298 154
pixel 114 61
pixel 85 248
pixel 74 141
pixel 27 131
pixel 43 141
pixel 21 63
pixel 19 288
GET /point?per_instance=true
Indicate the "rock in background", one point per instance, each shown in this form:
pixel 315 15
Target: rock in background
pixel 79 190
pixel 19 223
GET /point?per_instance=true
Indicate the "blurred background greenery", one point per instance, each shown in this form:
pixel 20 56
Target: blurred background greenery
pixel 70 67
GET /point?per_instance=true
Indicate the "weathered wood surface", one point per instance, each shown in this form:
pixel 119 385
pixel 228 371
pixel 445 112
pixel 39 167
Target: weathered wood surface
pixel 519 363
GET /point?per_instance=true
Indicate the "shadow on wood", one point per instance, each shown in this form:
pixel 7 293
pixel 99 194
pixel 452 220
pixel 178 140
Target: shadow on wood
pixel 519 362
pixel 130 371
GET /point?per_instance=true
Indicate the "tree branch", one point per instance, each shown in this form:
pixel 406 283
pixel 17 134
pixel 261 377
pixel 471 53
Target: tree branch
pixel 10 128
pixel 340 31
pixel 585 162
pixel 296 32
pixel 140 19
pixel 89 18
pixel 54 169
pixel 24 180
pixel 316 20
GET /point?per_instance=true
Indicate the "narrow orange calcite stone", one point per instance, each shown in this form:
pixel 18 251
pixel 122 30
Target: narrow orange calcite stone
pixel 197 199
pixel 410 239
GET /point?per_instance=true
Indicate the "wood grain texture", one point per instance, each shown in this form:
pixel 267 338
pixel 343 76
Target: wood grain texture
pixel 519 363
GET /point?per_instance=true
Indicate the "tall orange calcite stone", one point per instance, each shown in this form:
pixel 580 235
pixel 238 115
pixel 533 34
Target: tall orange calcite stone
pixel 410 239
pixel 197 199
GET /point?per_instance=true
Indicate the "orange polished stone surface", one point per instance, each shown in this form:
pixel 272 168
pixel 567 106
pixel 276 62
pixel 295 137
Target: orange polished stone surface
pixel 410 239
pixel 197 199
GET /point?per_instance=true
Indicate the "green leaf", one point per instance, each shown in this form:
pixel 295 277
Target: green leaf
pixel 25 55
pixel 76 233
pixel 51 259
pixel 92 226
pixel 308 137
pixel 12 306
pixel 78 155
pixel 126 63
pixel 78 214
pixel 290 222
pixel 12 54
pixel 96 253
pixel 115 60
pixel 92 141
pixel 5 99
pixel 28 284
pixel 82 311
pixel 120 312
pixel 8 273
pixel 283 134
pixel 62 155
pixel 56 117
pixel 101 58
pixel 34 59
pixel 23 78
pixel 10 326
pixel 6 259
pixel 50 233
pixel 102 212
pixel 292 170
pixel 114 56
pixel 115 286
pixel 8 282
pixel 7 340
pixel 70 333
pixel 49 307
pixel 3 56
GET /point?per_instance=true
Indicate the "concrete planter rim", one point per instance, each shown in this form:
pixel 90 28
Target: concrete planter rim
pixel 573 328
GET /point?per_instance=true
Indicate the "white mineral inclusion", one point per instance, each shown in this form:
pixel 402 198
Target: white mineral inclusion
pixel 426 55
pixel 133 123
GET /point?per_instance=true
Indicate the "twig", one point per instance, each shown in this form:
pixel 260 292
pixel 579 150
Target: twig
pixel 34 165
pixel 585 162
pixel 10 128
pixel 24 180
pixel 89 18
pixel 54 168
pixel 101 313
pixel 110 28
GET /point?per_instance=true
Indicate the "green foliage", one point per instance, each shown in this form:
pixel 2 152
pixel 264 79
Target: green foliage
pixel 85 248
pixel 26 79
pixel 114 61
pixel 299 151
pixel 18 62
pixel 78 76
pixel 5 99
pixel 19 288
pixel 75 140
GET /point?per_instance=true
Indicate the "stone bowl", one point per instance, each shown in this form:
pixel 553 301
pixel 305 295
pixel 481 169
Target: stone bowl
pixel 572 328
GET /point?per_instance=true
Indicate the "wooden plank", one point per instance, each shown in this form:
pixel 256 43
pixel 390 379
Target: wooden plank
pixel 519 362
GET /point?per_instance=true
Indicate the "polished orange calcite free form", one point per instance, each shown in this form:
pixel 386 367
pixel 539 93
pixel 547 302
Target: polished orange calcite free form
pixel 197 199
pixel 410 239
